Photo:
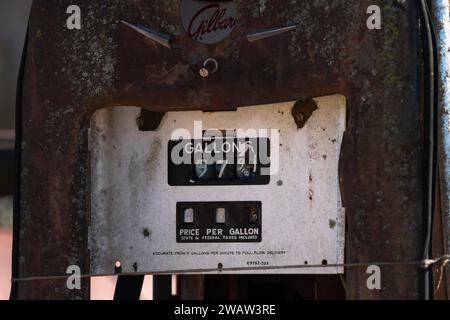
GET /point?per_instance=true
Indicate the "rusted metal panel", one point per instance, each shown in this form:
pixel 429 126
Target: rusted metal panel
pixel 381 172
pixel 70 74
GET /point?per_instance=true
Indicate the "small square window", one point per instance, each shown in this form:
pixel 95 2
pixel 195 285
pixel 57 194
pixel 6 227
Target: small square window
pixel 221 215
pixel 188 215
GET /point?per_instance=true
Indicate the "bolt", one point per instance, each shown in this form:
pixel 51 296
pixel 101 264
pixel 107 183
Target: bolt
pixel 210 66
pixel 204 72
pixel 118 267
pixel 300 117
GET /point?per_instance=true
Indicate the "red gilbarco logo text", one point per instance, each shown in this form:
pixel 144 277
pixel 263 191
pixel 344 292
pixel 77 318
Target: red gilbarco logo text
pixel 208 22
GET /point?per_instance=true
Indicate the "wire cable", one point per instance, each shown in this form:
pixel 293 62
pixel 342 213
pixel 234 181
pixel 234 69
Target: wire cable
pixel 430 148
pixel 443 260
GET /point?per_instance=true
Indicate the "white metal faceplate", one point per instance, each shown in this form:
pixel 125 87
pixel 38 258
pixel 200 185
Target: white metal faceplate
pixel 133 209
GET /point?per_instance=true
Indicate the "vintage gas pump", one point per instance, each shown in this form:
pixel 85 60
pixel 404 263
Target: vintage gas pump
pixel 236 144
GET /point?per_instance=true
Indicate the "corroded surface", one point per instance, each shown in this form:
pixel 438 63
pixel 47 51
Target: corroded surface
pixel 70 74
pixel 133 207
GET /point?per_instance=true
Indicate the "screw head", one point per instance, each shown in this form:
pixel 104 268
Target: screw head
pixel 300 117
pixel 204 72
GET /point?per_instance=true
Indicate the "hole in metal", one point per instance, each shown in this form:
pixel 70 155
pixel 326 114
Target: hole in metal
pixel 118 267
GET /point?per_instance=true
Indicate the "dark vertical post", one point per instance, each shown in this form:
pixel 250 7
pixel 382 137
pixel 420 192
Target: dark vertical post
pixel 162 287
pixel 381 160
